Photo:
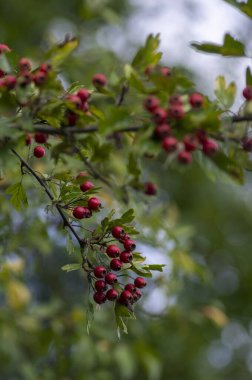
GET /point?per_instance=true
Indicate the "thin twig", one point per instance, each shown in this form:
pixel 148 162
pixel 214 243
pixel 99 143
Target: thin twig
pixel 120 99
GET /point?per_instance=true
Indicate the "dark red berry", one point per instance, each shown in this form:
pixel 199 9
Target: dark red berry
pixel 151 103
pixel 100 285
pixel 159 115
pixel 112 294
pixel 2 73
pixel 10 81
pixel 94 203
pixel 99 80
pixel 110 278
pixel 117 232
pixel 72 118
pixel 99 297
pixel 247 92
pixel 113 251
pixel 40 137
pixel 176 111
pixel 126 297
pixel 45 67
pixel 81 212
pixel 129 245
pixel 4 49
pixel 162 130
pixel 137 295
pixel 123 238
pixel 130 287
pixel 39 151
pixel 83 94
pixel 39 78
pixel 165 71
pixel 28 139
pixel 75 100
pixel 100 271
pixel 185 157
pixel 175 99
pixel 196 100
pixel 86 186
pixel 126 257
pixel 247 144
pixel 115 264
pixel 210 147
pixel 150 188
pixel 140 282
pixel 170 144
pixel 201 136
pixel 190 143
pixel 24 64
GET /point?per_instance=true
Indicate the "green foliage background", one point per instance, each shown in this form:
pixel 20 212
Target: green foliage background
pixel 206 218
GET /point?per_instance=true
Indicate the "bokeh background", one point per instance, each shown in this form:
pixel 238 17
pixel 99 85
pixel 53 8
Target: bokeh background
pixel 195 321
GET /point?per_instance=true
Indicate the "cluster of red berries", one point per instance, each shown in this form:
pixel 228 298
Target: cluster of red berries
pixel 79 100
pixel 165 126
pixel 93 204
pixel 124 294
pixel 40 138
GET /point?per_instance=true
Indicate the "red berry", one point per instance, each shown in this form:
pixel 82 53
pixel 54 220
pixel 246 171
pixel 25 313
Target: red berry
pixel 117 232
pixel 130 287
pixel 28 139
pixel 10 81
pixel 39 151
pixel 247 144
pixel 165 71
pixel 140 282
pixel 150 188
pixel 45 67
pixel 86 186
pixel 185 157
pixel 210 147
pixel 247 92
pixel 190 143
pixel 94 203
pixel 2 73
pixel 129 245
pixel 112 294
pixel 159 115
pixel 24 64
pixel 40 137
pixel 75 100
pixel 39 78
pixel 83 94
pixel 99 80
pixel 176 111
pixel 201 136
pixel 162 130
pixel 175 99
pixel 81 174
pixel 126 297
pixel 99 297
pixel 4 49
pixel 81 212
pixel 126 257
pixel 170 144
pixel 151 103
pixel 113 251
pixel 72 118
pixel 110 278
pixel 137 295
pixel 100 271
pixel 123 238
pixel 196 100
pixel 115 264
pixel 100 285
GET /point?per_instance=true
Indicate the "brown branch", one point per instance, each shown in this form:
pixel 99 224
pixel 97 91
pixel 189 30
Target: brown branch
pixel 239 119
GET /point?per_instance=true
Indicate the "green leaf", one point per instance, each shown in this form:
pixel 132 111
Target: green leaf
pixel 147 55
pixel 128 216
pixel 141 270
pixel 226 95
pixel 61 52
pixel 90 315
pixel 244 7
pixel 133 166
pixel 156 267
pixel 248 77
pixel 122 313
pixel 69 244
pixel 71 267
pixel 231 47
pixel 18 196
pixel 138 258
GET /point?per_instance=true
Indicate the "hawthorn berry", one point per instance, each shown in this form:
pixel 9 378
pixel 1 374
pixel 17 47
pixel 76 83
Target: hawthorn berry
pixel 94 203
pixel 45 67
pixel 140 282
pixel 176 111
pixel 112 295
pixel 126 257
pixel 159 115
pixel 175 99
pixel 99 80
pixel 10 81
pixel 115 264
pixel 165 71
pixel 110 278
pixel 185 157
pixel 196 100
pixel 75 100
pixel 40 137
pixel 137 295
pixel 117 232
pixel 39 151
pixel 4 49
pixel 190 143
pixel 24 64
pixel 99 297
pixel 126 297
pixel 86 186
pixel 83 94
pixel 123 238
pixel 129 245
pixel 130 287
pixel 210 147
pixel 81 212
pixel 170 144
pixel 201 136
pixel 113 251
pixel 247 92
pixel 72 118
pixel 28 139
pixel 151 103
pixel 100 285
pixel 247 145
pixel 2 73
pixel 100 271
pixel 150 188
pixel 162 130
pixel 39 78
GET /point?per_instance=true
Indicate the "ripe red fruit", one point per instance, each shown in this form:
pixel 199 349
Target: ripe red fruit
pixel 123 238
pixel 74 99
pixel 110 278
pixel 117 232
pixel 130 287
pixel 99 297
pixel 126 257
pixel 151 103
pixel 150 188
pixel 165 71
pixel 2 73
pixel 126 297
pixel 170 144
pixel 112 294
pixel 100 271
pixel 94 203
pixel 175 99
pixel 39 78
pixel 83 94
pixel 28 139
pixel 39 151
pixel 140 282
pixel 162 130
pixel 210 147
pixel 45 67
pixel 184 157
pixel 190 143
pixel 201 136
pixel 99 80
pixel 4 49
pixel 113 251
pixel 10 81
pixel 40 137
pixel 137 295
pixel 86 186
pixel 81 212
pixel 24 64
pixel 196 100
pixel 72 118
pixel 115 264
pixel 247 92
pixel 247 145
pixel 159 115
pixel 129 245
pixel 176 111
pixel 100 285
